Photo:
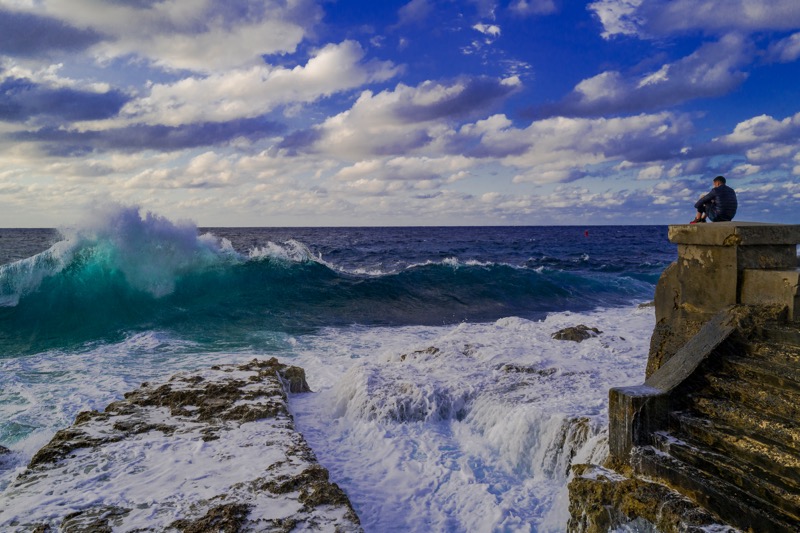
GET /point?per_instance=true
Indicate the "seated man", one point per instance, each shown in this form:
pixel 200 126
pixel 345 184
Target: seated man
pixel 719 205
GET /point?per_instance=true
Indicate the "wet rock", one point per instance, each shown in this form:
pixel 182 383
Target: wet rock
pixel 511 368
pixel 602 500
pixel 424 354
pixel 93 520
pixel 223 518
pixel 220 445
pixel 577 333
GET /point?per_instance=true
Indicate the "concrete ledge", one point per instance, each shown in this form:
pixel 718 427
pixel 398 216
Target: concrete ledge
pixel 634 413
pixel 768 287
pixel 735 234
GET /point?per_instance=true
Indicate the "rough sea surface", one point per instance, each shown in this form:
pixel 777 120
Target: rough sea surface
pixel 441 401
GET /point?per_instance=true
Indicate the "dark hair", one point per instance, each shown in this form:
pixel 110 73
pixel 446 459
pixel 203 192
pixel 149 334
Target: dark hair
pixel 720 179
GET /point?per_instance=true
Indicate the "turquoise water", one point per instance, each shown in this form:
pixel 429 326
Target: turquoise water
pixel 231 286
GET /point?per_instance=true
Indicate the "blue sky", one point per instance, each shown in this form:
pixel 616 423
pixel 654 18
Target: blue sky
pixel 428 112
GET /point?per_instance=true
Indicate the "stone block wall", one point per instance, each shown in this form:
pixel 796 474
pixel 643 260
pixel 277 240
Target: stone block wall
pixel 719 265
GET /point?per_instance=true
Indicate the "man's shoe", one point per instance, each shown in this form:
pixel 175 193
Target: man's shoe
pixel 697 221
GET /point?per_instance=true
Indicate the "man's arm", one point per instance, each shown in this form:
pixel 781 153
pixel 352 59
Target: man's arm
pixel 706 199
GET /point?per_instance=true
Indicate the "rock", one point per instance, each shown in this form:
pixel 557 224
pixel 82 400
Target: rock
pixel 430 351
pixel 602 500
pixel 577 333
pixel 212 450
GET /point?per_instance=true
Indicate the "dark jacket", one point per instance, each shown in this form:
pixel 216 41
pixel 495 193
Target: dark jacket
pixel 720 204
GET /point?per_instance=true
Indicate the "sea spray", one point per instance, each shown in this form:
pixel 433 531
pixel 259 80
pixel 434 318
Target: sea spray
pixel 150 251
pixel 26 275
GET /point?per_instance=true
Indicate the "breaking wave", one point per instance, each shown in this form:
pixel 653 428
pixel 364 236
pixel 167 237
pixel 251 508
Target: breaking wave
pixel 126 272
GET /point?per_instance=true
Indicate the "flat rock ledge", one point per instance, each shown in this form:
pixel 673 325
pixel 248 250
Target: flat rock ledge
pixel 213 450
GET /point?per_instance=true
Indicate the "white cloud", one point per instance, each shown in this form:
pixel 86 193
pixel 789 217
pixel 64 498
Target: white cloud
pixel 433 172
pixel 786 50
pixel 198 35
pixel 713 69
pixel 762 129
pixel 415 11
pixel 606 86
pixel 492 30
pixel 563 149
pixel 617 16
pixel 655 78
pixel 653 172
pixel 256 90
pixel 407 119
pixel 652 18
pixel 746 169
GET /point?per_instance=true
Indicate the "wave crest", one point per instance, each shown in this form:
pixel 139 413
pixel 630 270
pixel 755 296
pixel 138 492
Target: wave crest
pixel 149 251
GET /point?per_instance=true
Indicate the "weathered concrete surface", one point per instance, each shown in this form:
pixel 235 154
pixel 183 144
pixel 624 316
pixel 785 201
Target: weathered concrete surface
pixel 634 414
pixel 709 275
pixel 772 287
pixel 716 423
pixel 212 450
pixel 637 412
pixel 735 232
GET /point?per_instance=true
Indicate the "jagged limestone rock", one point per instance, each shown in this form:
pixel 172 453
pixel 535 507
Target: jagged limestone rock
pixel 602 500
pixel 212 450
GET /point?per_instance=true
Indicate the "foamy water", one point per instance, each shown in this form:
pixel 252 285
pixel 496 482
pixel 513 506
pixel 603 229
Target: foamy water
pixel 477 436
pixel 455 428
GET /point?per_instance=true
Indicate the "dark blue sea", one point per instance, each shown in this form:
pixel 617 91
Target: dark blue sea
pixel 88 312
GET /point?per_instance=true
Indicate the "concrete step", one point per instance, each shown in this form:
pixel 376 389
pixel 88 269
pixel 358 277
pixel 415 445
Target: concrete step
pixel 774 351
pixel 787 334
pixel 783 404
pixel 780 463
pixel 780 492
pixel 761 372
pixel 732 504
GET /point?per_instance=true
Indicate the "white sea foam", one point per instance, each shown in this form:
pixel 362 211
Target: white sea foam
pixel 469 427
pixel 466 428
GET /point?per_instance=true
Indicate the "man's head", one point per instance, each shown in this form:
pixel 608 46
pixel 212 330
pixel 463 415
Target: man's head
pixel 719 180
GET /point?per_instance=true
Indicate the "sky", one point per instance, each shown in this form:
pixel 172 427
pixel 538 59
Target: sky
pixel 386 113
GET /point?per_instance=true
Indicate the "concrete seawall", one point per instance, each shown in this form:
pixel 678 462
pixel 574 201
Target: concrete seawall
pixel 712 435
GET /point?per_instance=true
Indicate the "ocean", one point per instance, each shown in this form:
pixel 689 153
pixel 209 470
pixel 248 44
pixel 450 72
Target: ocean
pixel 441 401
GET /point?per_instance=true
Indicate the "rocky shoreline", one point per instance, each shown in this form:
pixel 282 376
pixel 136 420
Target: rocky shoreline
pixel 212 450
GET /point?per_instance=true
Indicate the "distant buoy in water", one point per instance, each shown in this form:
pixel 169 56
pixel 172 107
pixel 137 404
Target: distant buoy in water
pixel 586 233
